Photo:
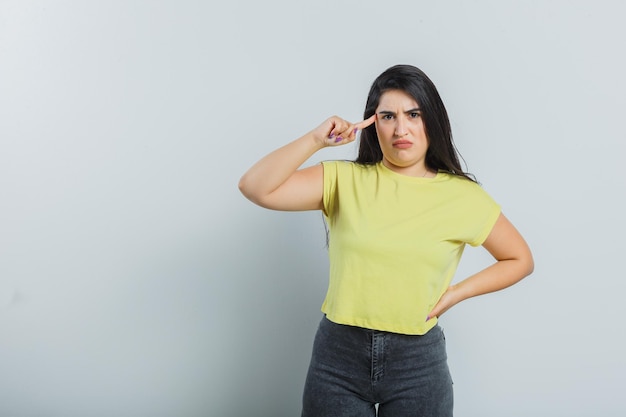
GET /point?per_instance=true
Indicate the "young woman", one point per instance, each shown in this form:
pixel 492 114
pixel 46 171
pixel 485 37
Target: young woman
pixel 399 218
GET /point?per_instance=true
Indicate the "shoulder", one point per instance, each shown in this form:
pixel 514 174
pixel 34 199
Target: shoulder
pixel 458 181
pixel 464 188
pixel 341 164
pixel 346 167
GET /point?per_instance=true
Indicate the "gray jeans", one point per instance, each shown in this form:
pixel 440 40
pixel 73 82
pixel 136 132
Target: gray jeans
pixel 352 369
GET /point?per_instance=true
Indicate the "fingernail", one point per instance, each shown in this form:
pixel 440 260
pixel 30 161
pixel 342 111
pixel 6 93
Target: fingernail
pixel 332 135
pixel 356 129
pixel 339 139
pixel 427 318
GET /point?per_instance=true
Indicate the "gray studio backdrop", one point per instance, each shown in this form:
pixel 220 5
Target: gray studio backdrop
pixel 135 280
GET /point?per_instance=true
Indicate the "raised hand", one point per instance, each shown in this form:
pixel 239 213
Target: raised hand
pixel 337 131
pixel 275 182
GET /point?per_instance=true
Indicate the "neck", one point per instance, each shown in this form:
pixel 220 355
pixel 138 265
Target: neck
pixel 417 170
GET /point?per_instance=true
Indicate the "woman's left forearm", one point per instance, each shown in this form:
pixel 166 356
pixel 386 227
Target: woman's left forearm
pixel 514 261
pixel 498 276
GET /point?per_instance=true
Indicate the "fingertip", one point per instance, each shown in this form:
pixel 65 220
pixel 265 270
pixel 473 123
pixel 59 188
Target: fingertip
pixel 368 122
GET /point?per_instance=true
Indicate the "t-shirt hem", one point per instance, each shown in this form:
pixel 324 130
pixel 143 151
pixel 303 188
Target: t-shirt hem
pixel 365 323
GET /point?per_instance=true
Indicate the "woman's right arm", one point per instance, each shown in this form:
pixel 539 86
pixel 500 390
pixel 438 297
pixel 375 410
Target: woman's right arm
pixel 275 182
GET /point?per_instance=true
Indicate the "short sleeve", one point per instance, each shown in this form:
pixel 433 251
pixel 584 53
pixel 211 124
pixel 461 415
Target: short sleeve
pixel 485 212
pixel 329 198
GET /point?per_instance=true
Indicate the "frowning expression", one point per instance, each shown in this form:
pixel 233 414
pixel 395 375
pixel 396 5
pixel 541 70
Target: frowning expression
pixel 401 133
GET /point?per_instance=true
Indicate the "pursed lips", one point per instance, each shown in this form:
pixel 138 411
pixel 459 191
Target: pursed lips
pixel 402 143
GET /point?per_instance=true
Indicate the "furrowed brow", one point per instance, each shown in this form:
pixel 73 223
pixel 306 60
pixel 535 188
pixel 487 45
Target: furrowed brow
pixel 414 110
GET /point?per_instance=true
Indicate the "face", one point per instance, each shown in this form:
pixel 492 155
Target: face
pixel 401 133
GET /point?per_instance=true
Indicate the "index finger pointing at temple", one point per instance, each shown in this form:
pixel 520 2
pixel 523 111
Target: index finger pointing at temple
pixel 365 123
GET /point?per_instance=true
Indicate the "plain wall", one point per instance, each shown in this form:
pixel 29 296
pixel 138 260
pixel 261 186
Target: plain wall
pixel 135 280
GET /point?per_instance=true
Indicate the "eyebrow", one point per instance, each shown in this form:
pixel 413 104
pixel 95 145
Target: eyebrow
pixel 414 110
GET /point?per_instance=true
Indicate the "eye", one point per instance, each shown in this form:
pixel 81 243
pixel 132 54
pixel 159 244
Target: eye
pixel 414 115
pixel 388 117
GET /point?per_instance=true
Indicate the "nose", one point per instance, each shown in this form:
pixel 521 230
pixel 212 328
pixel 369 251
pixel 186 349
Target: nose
pixel 401 128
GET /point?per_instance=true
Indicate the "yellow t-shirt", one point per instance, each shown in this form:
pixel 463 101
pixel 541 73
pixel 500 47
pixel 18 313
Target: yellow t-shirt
pixel 395 242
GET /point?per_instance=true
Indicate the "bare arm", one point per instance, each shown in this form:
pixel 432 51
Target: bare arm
pixel 275 182
pixel 514 261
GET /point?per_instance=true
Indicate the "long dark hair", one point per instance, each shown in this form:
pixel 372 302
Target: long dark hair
pixel 441 154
